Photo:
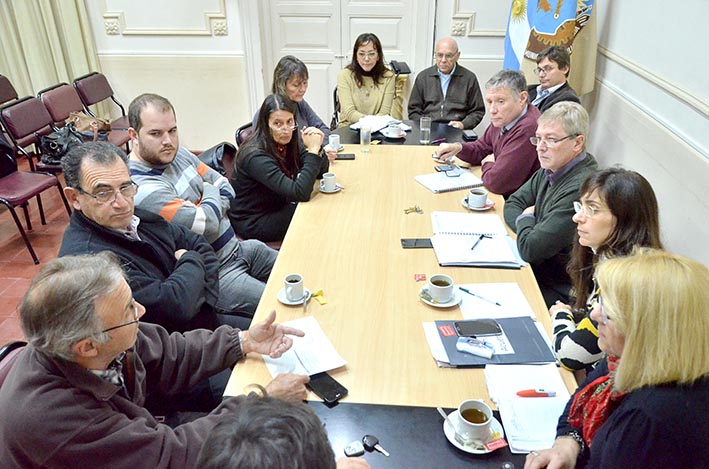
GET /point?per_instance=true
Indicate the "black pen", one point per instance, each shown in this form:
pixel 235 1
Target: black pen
pixel 478 241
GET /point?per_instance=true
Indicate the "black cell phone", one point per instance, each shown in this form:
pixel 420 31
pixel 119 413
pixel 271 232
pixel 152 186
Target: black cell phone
pixel 327 388
pixel 409 243
pixel 445 167
pixel 478 328
pixel 345 156
pixel 469 135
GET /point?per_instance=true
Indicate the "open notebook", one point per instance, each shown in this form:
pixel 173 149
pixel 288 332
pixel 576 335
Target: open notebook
pixel 455 234
pixel 442 182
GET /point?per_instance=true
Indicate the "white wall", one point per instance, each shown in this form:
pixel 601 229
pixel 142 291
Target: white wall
pixel 190 52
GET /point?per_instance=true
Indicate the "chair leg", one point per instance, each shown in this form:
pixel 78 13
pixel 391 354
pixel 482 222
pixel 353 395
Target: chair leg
pixel 28 220
pixel 41 210
pixel 61 193
pixel 21 230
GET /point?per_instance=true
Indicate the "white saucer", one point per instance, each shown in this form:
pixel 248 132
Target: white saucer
pixel 338 188
pixel 457 296
pixel 495 426
pixel 329 148
pixel 488 205
pixel 388 135
pixel 284 299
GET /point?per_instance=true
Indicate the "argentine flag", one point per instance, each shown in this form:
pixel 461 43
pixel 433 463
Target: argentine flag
pixel 518 29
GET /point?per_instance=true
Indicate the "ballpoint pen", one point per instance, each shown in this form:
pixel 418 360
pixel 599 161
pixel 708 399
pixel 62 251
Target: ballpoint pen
pixel 536 393
pixel 438 140
pixel 478 296
pixel 482 236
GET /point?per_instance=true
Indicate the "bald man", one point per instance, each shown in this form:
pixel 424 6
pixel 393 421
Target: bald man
pixel 447 92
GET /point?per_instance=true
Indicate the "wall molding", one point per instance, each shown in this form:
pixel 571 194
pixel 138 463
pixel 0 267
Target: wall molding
pixel 463 24
pixel 215 24
pixel 670 88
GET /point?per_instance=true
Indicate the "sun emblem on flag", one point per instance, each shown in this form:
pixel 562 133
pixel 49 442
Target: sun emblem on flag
pixel 519 10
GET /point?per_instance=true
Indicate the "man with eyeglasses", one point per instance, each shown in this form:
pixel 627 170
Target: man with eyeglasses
pixel 541 210
pixel 173 272
pixel 76 395
pixel 176 185
pixel 504 153
pixel 447 92
pixel 553 66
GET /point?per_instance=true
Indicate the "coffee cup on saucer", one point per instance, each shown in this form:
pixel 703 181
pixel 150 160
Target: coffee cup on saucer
pixel 474 420
pixel 294 287
pixel 393 130
pixel 477 198
pixel 328 182
pixel 334 142
pixel 440 287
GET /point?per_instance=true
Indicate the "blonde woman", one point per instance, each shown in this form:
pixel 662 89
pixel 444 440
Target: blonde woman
pixel 647 402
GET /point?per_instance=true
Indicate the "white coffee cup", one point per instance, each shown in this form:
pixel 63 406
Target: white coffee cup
pixel 328 182
pixel 474 420
pixel 393 130
pixel 440 287
pixel 477 198
pixel 294 287
pixel 334 142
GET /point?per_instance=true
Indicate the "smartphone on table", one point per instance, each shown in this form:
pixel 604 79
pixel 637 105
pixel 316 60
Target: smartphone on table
pixel 478 328
pixel 327 388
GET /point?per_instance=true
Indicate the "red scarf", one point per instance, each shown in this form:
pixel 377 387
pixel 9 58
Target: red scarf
pixel 593 404
pixel 282 158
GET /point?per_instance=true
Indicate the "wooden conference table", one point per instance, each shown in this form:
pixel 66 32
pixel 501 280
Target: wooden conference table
pixel 348 245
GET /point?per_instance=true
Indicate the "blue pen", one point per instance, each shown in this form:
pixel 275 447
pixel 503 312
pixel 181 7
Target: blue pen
pixel 478 296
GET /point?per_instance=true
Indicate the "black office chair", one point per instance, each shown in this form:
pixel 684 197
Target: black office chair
pixel 243 133
pixel 336 113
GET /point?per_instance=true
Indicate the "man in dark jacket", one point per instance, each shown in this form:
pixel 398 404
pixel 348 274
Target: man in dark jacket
pixel 76 395
pixel 171 270
pixel 447 92
pixel 553 66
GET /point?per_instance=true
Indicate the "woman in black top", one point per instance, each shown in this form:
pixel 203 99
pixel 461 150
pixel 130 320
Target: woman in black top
pixel 274 170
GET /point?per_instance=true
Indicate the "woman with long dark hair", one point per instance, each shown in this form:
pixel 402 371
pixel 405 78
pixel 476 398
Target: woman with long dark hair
pixel 617 212
pixel 274 170
pixel 366 86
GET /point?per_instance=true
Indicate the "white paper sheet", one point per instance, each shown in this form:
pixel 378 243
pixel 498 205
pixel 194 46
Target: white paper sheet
pixel 311 354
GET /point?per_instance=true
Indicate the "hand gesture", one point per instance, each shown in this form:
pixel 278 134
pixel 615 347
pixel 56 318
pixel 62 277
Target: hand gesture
pixel 268 338
pixel 312 139
pixel 289 387
pixel 446 151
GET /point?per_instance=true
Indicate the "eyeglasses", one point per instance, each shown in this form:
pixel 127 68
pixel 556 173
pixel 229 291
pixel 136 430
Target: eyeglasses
pixel 445 56
pixel 546 69
pixel 368 55
pixel 549 140
pixel 585 209
pixel 136 320
pixel 109 196
pixel 288 128
pixel 604 316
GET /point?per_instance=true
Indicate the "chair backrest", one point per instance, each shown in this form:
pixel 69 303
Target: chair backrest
pixel 8 357
pixel 7 91
pixel 24 119
pixel 94 88
pixel 244 132
pixel 336 113
pixel 61 100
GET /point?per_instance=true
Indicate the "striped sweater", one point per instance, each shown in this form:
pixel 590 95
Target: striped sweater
pixel 576 345
pixel 190 193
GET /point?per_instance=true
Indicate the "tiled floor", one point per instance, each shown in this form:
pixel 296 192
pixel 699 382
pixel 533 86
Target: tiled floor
pixel 16 266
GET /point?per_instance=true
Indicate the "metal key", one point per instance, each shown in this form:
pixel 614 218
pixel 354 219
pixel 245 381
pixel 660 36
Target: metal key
pixel 371 443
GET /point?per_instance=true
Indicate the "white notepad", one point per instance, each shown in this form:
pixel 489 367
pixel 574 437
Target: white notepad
pixel 440 182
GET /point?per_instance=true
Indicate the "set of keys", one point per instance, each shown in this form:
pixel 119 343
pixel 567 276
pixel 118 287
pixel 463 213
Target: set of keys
pixel 369 442
pixel 414 209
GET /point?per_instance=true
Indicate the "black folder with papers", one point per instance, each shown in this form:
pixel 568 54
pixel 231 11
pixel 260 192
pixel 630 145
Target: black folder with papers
pixel 520 342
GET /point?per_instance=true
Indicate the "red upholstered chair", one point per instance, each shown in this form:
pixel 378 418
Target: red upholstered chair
pixel 24 121
pixel 243 132
pixel 7 91
pixel 60 100
pixel 94 88
pixel 18 187
pixel 8 356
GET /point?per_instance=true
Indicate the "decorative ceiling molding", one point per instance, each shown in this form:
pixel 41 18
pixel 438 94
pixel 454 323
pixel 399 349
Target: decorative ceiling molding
pixel 463 24
pixel 215 24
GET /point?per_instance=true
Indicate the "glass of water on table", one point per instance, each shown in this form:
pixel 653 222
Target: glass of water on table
pixel 425 130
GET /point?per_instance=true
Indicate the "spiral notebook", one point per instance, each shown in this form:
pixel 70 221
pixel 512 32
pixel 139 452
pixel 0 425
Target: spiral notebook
pixel 455 234
pixel 442 182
